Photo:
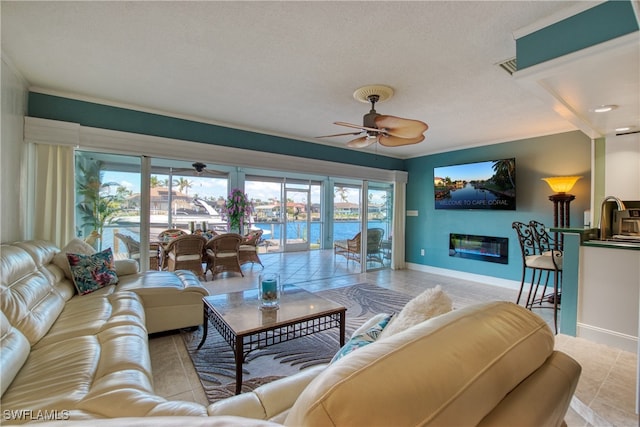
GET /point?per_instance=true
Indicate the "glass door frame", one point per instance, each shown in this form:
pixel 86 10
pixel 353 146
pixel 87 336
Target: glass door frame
pixel 385 246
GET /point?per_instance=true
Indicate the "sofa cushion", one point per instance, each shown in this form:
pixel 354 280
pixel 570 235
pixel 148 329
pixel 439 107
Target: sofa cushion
pixel 75 246
pixel 92 272
pixel 172 300
pixel 459 371
pixel 93 313
pixel 32 295
pixel 428 304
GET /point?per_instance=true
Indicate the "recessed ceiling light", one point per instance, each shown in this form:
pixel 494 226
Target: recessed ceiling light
pixel 623 129
pixel 604 108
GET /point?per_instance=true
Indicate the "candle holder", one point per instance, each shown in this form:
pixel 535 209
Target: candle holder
pixel 269 290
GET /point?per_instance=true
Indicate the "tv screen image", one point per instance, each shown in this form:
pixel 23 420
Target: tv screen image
pixel 480 185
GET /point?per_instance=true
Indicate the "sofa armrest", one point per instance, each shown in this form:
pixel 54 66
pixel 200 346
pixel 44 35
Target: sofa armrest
pixel 125 267
pixel 267 401
pixel 553 384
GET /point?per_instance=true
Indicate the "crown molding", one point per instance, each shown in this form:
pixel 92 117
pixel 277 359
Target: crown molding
pixel 44 131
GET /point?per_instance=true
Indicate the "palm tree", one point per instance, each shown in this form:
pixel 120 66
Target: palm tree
pixel 505 169
pixel 97 207
pixel 342 192
pixel 184 185
pixel 154 181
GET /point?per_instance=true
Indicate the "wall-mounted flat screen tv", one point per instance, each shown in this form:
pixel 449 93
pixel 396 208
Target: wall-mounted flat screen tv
pixel 481 185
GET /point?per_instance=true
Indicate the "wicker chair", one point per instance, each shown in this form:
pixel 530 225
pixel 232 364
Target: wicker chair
pixel 133 249
pixel 350 248
pixel 222 254
pixel 248 251
pixel 185 253
pixel 374 245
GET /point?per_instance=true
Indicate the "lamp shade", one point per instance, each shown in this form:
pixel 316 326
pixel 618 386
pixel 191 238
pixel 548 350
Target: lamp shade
pixel 561 184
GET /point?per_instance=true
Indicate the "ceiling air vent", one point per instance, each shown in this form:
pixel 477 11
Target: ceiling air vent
pixel 509 65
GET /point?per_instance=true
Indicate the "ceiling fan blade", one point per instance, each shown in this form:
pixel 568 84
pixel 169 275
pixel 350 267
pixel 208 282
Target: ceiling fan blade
pixel 395 141
pixel 364 128
pixel 402 128
pixel 339 134
pixel 363 141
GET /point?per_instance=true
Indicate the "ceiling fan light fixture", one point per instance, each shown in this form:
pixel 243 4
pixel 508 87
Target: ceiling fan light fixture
pixel 364 93
pixel 386 130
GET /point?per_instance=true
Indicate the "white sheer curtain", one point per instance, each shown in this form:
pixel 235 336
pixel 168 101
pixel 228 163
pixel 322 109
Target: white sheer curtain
pixel 399 220
pixel 54 212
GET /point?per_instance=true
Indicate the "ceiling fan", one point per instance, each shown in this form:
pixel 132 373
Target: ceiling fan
pixel 389 131
pixel 197 169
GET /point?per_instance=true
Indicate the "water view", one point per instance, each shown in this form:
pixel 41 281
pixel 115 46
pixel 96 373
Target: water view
pixel 342 230
pixel 470 197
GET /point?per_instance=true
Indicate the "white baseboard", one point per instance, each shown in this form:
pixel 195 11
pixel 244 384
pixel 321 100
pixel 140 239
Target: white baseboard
pixel 605 336
pixel 487 280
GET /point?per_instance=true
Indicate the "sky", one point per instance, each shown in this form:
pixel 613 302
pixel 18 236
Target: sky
pixel 207 187
pixel 466 172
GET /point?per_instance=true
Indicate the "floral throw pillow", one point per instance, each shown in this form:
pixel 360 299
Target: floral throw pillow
pixel 169 236
pixel 361 337
pixel 92 272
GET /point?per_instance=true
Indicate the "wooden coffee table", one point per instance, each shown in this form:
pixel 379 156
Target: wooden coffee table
pixel 246 327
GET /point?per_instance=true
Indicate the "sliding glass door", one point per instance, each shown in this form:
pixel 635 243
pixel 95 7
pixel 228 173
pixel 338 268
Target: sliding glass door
pixel 108 201
pixel 288 211
pixel 346 211
pixel 379 224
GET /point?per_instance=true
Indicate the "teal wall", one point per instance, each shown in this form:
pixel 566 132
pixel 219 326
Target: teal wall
pixel 126 120
pixel 595 25
pixel 536 158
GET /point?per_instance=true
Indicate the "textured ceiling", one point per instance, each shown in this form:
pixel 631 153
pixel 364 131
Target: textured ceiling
pixel 290 68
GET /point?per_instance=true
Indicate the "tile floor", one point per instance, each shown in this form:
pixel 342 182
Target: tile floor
pixel 606 391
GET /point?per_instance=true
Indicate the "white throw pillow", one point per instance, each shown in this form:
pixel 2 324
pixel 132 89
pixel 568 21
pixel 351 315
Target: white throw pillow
pixel 75 246
pixel 432 302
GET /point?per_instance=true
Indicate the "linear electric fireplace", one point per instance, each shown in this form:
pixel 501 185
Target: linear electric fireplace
pixel 482 248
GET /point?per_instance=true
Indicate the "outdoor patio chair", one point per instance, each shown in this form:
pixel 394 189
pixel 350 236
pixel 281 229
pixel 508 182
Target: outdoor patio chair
pixel 350 248
pixel 374 245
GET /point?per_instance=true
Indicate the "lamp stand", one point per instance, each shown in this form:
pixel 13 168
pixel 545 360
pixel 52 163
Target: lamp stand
pixel 561 212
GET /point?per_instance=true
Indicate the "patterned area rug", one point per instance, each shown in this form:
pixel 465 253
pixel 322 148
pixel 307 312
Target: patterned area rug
pixel 215 365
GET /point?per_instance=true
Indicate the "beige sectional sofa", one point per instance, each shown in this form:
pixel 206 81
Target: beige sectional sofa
pixel 86 358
